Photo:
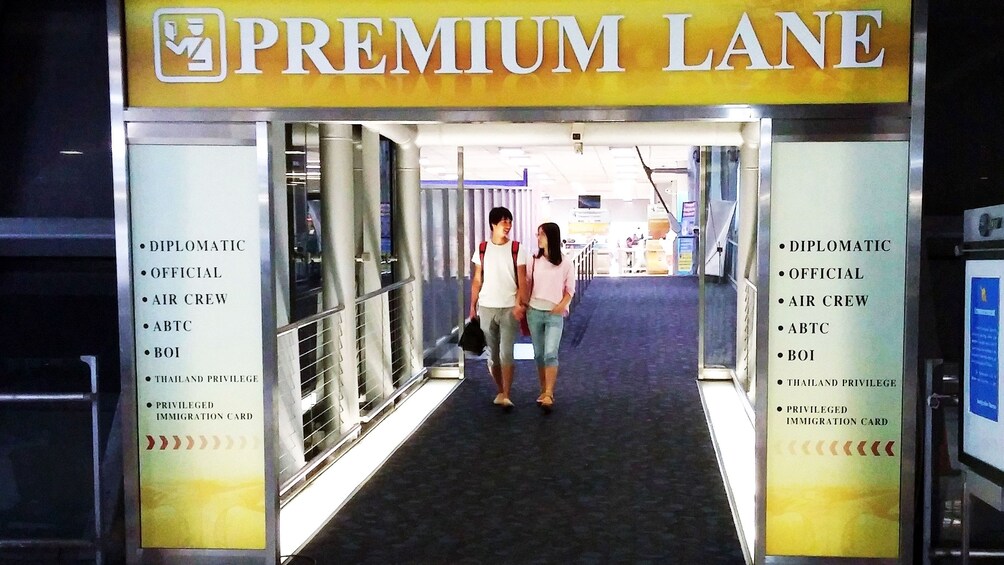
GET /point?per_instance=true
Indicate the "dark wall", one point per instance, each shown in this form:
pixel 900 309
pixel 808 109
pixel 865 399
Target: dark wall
pixel 963 155
pixel 54 98
pixel 963 147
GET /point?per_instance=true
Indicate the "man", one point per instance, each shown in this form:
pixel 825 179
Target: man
pixel 498 297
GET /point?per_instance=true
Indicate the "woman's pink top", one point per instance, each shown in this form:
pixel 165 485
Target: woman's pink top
pixel 549 282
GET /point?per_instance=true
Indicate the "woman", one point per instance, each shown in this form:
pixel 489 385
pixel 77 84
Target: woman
pixel 551 279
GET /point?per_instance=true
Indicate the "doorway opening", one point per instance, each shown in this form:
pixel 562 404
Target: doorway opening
pixel 639 201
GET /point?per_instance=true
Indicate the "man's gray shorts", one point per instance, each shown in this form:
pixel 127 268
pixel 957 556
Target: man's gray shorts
pixel 500 328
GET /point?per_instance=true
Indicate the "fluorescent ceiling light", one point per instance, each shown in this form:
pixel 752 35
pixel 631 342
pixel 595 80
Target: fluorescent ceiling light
pixel 511 152
pixel 71 152
pixel 296 152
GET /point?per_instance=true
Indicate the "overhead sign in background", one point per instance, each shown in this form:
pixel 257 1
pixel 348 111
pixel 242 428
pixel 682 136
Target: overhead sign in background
pixel 199 384
pixel 515 53
pixel 835 370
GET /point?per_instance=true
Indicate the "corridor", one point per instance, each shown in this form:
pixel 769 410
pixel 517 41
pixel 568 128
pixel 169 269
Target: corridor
pixel 623 470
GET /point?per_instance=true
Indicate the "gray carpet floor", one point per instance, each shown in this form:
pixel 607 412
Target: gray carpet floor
pixel 622 471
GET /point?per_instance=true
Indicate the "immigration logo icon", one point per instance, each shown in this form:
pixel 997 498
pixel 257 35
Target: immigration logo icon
pixel 189 45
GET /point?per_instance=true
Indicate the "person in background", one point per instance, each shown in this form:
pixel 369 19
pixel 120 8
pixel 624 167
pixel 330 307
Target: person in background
pixel 498 287
pixel 552 284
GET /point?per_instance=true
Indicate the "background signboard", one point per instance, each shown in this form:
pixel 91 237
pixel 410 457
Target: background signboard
pixel 835 369
pixel 515 53
pixel 197 292
pixel 982 425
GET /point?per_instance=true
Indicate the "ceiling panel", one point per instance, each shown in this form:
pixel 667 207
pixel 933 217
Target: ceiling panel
pixel 562 171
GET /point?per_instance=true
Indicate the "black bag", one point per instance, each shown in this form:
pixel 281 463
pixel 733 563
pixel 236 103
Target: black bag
pixel 473 339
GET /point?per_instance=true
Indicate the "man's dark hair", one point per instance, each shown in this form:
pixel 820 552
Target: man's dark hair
pixel 498 214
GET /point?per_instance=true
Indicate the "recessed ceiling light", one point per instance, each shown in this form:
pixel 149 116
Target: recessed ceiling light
pixel 71 152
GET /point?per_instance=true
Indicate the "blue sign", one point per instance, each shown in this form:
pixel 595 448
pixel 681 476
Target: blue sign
pixel 984 345
pixel 685 250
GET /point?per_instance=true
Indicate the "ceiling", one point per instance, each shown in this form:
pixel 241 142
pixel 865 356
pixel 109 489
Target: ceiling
pixel 560 171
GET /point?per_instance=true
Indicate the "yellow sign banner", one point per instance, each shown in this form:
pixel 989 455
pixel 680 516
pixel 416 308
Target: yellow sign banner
pixel 517 53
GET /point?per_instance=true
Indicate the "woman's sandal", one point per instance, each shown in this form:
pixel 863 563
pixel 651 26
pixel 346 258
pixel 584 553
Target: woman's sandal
pixel 546 403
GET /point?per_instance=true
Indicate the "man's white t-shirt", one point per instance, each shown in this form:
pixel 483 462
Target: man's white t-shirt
pixel 498 281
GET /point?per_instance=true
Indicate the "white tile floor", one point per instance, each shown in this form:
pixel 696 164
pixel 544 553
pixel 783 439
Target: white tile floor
pixel 735 440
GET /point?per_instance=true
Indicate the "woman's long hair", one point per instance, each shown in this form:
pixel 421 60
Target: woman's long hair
pixel 553 234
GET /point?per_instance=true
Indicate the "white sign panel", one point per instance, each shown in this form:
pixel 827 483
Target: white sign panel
pixel 835 369
pixel 197 302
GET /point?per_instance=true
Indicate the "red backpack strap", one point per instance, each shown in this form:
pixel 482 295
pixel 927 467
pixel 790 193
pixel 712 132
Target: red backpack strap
pixel 481 252
pixel 515 268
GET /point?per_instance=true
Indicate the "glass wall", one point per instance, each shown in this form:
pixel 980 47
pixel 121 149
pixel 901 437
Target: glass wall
pixel 719 181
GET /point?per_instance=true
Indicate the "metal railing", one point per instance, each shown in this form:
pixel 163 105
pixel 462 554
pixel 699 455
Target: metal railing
pixel 310 355
pixel 94 543
pixel 337 405
pixel 383 347
pixel 948 518
pixel 585 262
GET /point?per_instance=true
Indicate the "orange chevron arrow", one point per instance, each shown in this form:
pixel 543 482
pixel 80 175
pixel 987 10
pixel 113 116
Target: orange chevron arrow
pixel 191 442
pixel 861 447
pixel 177 442
pixel 151 442
pixel 847 448
pixel 163 443
pixel 888 448
pixel 216 442
pixel 805 447
pixel 833 447
pixel 875 448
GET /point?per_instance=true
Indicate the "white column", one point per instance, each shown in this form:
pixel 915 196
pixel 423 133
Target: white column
pixel 746 207
pixel 408 244
pixel 376 322
pixel 338 260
